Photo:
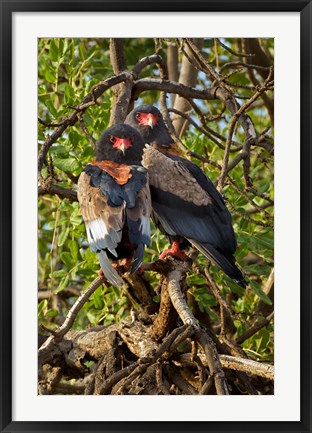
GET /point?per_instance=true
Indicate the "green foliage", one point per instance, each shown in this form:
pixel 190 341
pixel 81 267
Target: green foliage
pixel 68 68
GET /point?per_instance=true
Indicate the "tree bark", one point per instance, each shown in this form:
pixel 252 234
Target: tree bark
pixel 121 92
pixel 173 68
pixel 188 77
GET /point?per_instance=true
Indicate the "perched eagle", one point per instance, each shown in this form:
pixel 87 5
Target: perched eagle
pixel 115 200
pixel 186 204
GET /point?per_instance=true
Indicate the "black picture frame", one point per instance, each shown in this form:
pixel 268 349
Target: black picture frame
pixel 8 7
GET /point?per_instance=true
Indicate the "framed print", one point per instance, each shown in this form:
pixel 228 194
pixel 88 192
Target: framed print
pixel 163 214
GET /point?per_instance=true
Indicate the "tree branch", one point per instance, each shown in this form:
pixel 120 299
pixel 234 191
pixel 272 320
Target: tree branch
pixel 72 314
pixel 248 366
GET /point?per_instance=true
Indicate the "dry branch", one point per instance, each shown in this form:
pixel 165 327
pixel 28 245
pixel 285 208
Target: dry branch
pixel 61 331
pixel 248 366
pixel 178 299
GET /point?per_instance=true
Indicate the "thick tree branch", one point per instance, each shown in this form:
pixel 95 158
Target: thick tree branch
pixel 122 91
pixel 248 366
pixel 188 77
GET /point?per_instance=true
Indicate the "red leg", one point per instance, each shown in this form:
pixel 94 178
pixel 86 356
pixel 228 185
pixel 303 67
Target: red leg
pixel 101 274
pixel 174 251
pixel 127 263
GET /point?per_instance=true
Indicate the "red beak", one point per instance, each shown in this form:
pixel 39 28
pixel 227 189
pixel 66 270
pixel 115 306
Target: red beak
pixel 122 144
pixel 149 119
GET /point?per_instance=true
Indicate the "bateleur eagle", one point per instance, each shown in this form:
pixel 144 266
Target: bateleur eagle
pixel 186 204
pixel 115 201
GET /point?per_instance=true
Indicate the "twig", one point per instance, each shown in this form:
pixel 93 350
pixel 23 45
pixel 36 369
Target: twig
pixel 68 292
pixel 51 189
pixel 159 380
pixel 179 382
pixel 246 217
pixel 72 314
pixel 213 361
pixel 50 125
pixel 248 366
pixel 232 51
pixel 207 385
pixel 85 130
pixel 254 329
pixel 217 294
pixel 140 365
pixel 203 129
pixel 149 60
pixel 246 65
pixel 108 384
pixel 224 93
pixel 246 196
pixel 262 195
pixel 188 332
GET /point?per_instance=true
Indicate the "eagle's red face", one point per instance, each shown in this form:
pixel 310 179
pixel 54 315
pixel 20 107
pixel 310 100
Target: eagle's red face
pixel 121 144
pixel 147 119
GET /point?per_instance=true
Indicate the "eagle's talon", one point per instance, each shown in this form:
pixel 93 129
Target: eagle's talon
pixel 174 252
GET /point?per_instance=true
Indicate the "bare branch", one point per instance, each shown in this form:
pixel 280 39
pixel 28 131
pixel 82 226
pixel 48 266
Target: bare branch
pixel 178 299
pixel 255 328
pixel 248 366
pixel 52 189
pixel 144 84
pixel 72 314
pixel 232 51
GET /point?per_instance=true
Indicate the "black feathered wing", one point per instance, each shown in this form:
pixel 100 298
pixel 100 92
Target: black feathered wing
pixel 187 204
pixel 109 209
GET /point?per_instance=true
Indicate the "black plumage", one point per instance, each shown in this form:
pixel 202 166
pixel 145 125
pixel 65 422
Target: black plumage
pixel 186 204
pixel 115 200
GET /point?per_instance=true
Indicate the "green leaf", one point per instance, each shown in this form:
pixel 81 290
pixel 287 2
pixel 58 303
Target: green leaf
pixel 109 319
pixel 90 257
pixel 69 94
pixel 42 307
pixel 59 150
pixel 51 313
pixel 63 284
pixel 54 50
pixel 60 42
pixel 50 107
pixel 82 51
pixel 256 287
pixel 67 259
pixel 73 246
pixel 91 317
pixel 68 165
pixel 76 220
pixel 98 299
pixel 62 237
pixel 195 280
pixel 74 137
pixel 58 274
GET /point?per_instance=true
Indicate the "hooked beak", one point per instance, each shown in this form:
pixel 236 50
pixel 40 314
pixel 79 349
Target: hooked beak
pixel 150 121
pixel 122 144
